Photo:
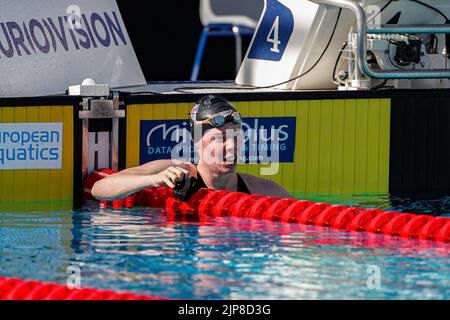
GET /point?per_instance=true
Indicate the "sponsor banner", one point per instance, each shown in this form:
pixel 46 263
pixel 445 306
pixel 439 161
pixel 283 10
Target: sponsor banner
pixel 267 140
pixel 48 45
pixel 31 145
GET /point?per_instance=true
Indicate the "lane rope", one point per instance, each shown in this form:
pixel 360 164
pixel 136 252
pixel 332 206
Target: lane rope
pixel 216 203
pixel 17 289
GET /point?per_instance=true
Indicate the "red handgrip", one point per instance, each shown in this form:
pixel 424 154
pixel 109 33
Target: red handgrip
pixel 160 197
pixel 196 198
pixel 394 226
pixel 16 289
pixel 444 233
pixel 224 205
pixel 413 227
pixel 327 216
pixel 207 204
pixel 145 198
pixel 345 217
pixel 261 206
pixel 178 205
pixel 360 221
pixel 277 208
pixel 294 210
pixel 241 208
pixel 380 220
pixel 308 216
pixel 429 230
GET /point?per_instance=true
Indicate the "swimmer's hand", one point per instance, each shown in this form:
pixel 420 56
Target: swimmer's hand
pixel 172 176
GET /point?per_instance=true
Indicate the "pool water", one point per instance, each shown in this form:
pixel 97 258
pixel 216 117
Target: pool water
pixel 147 251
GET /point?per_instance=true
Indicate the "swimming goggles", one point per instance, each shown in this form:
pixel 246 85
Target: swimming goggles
pixel 220 120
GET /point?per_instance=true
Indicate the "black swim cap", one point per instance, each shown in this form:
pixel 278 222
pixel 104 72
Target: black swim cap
pixel 207 107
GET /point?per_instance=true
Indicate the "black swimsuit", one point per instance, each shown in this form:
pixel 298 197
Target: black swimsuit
pixel 185 189
pixel 241 186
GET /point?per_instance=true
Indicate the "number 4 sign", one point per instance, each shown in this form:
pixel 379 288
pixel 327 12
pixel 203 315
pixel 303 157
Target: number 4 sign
pixel 273 33
pixel 282 42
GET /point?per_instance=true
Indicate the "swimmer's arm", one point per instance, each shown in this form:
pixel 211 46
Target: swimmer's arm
pixel 119 186
pixel 132 180
pixel 157 166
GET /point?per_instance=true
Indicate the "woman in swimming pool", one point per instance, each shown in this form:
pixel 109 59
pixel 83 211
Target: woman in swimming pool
pixel 216 128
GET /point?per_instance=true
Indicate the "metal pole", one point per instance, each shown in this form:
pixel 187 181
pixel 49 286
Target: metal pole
pixel 115 135
pixel 361 21
pixel 85 142
pixel 238 41
pixel 199 53
pixel 350 56
pixel 357 70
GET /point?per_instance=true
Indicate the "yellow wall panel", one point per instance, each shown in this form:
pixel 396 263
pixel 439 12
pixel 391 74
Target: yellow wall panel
pixel 342 146
pixel 34 189
pixel 132 119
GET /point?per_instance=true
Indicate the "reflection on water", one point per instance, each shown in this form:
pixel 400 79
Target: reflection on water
pixel 147 251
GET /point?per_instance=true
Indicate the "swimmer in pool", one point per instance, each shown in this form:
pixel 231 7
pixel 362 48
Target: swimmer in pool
pixel 216 128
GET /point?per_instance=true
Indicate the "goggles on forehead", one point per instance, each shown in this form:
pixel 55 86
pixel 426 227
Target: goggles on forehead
pixel 219 120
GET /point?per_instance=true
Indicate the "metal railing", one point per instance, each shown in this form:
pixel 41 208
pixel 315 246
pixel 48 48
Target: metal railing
pixel 362 30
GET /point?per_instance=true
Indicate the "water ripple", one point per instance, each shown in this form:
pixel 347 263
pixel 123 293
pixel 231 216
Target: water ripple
pixel 146 251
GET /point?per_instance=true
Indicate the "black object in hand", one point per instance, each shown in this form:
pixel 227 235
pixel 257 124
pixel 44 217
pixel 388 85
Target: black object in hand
pixel 186 188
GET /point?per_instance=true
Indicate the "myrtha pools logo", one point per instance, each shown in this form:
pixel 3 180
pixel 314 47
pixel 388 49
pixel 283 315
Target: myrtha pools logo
pixel 31 145
pixel 266 140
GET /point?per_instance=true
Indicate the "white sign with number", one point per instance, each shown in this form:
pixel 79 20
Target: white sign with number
pixel 274 50
pixel 295 45
pixel 48 45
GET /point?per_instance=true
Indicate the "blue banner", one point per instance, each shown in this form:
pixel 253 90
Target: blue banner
pixel 267 140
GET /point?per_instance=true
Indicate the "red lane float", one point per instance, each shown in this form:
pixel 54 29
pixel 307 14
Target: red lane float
pixel 16 289
pixel 226 203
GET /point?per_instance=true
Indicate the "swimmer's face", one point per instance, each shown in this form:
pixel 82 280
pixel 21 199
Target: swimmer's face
pixel 221 147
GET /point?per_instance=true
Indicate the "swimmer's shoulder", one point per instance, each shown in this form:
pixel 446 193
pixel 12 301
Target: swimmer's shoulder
pixel 265 187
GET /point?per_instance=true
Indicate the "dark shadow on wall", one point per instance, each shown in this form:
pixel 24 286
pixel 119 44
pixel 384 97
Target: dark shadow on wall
pixel 165 37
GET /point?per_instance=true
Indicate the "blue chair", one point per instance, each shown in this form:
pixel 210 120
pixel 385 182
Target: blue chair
pixel 225 18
